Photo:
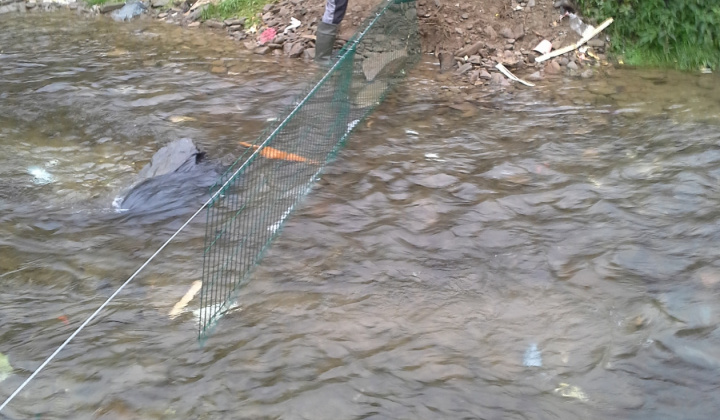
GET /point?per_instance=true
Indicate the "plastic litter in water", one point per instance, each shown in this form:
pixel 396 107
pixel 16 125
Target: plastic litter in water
pixel 5 368
pixel 40 175
pixel 215 309
pixel 571 391
pixel 532 356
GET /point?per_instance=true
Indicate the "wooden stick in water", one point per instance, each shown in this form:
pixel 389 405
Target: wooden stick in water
pixel 177 309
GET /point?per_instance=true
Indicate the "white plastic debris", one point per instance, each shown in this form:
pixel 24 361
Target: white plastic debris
pixel 579 26
pixel 511 76
pixel 532 356
pixel 543 47
pixel 217 309
pixel 294 24
pixel 571 391
pixel 40 175
pixel 5 368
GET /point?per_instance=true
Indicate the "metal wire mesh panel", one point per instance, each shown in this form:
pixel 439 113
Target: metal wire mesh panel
pixel 261 189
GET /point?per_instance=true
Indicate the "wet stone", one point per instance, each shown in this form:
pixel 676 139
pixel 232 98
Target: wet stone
pixel 297 50
pixel 509 59
pixel 464 68
pixel 234 22
pixel 535 76
pixel 498 79
pixel 214 24
pixel 109 7
pixel 552 68
pixel 572 66
pixel 447 61
pixel 262 50
pixel 470 50
pixel 601 89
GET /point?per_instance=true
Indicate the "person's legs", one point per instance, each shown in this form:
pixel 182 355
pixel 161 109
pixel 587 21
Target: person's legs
pixel 334 11
pixel 328 29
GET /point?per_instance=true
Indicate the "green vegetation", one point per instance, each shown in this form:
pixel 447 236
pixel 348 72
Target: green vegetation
pixel 683 34
pixel 235 9
pixel 96 2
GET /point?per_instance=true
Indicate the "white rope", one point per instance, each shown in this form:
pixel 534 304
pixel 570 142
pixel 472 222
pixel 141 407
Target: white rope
pixel 152 257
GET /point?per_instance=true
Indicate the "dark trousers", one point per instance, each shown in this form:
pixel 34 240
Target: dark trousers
pixel 334 11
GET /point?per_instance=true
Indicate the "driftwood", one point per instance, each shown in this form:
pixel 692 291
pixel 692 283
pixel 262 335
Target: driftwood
pixel 177 309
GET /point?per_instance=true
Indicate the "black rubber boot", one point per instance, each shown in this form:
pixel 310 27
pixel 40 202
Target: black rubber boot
pixel 324 41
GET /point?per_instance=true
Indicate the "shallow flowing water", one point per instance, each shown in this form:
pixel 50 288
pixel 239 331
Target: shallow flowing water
pixel 550 253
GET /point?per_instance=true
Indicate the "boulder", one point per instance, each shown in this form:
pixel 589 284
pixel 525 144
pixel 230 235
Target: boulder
pixel 464 68
pixel 110 7
pixel 470 49
pixel 213 23
pixel 297 50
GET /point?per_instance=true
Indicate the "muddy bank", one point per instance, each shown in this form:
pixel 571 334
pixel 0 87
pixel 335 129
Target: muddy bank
pixel 467 39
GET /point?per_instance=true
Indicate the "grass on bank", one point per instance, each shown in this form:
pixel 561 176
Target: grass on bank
pixel 689 57
pixel 683 34
pixel 227 9
pixel 97 2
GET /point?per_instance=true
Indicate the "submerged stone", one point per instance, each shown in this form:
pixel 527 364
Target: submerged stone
pixel 129 11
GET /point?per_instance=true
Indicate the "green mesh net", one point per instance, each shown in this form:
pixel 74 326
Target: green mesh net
pixel 261 189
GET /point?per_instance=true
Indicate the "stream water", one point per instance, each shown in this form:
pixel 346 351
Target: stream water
pixel 549 253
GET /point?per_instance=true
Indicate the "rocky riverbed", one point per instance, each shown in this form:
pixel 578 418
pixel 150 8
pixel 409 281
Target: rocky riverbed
pixel 468 39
